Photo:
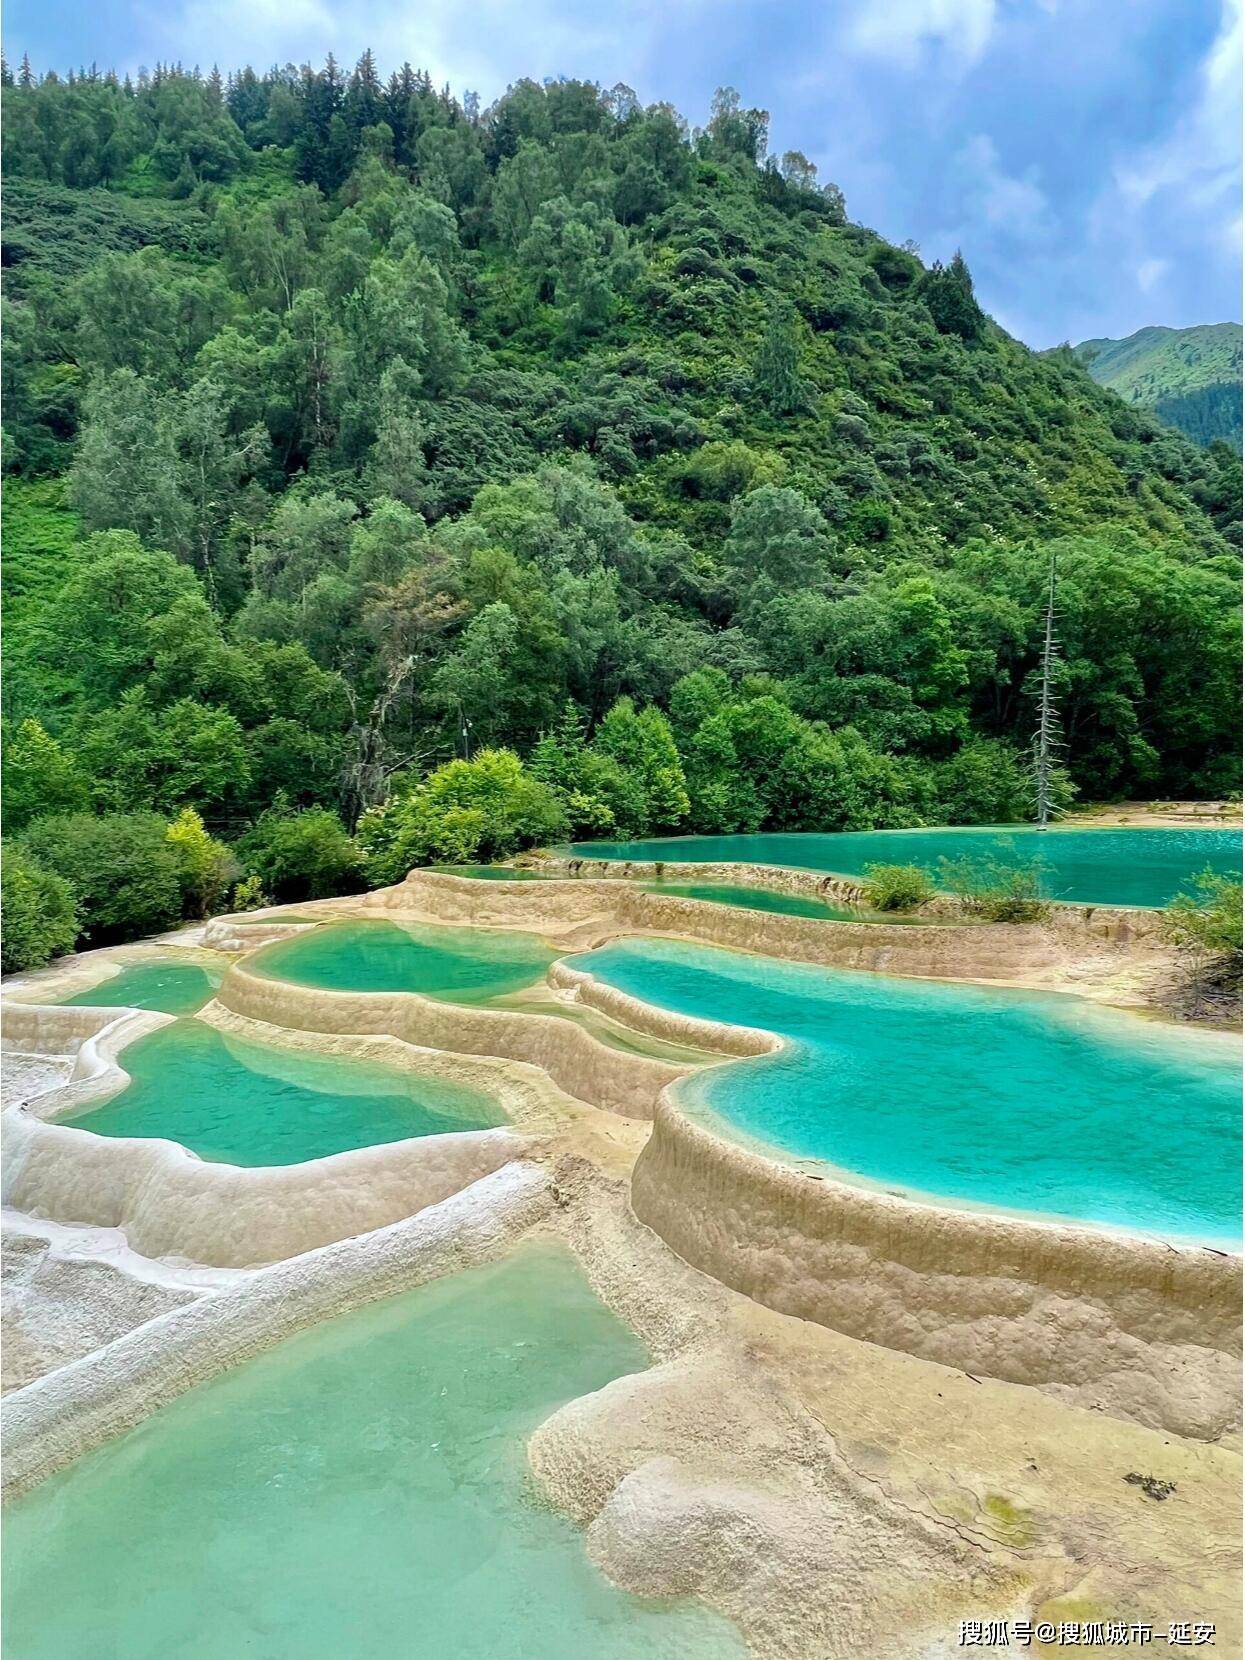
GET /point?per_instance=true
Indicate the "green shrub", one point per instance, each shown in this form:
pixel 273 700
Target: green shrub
pixel 249 895
pixel 205 867
pixel 1206 916
pixel 720 471
pixel 122 868
pixel 465 812
pixel 599 795
pixel 38 918
pixel 306 855
pixel 897 887
pixel 994 891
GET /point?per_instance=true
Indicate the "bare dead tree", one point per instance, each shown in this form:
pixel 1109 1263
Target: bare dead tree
pixel 373 760
pixel 404 619
pixel 1048 739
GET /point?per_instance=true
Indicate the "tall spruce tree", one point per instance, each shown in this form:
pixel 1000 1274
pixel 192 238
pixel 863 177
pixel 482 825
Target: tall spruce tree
pixel 777 373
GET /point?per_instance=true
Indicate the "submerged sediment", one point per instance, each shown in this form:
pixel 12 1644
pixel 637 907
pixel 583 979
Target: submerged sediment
pixel 55 1420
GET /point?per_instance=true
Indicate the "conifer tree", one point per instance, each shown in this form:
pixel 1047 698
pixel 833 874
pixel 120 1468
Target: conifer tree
pixel 777 374
pixel 948 292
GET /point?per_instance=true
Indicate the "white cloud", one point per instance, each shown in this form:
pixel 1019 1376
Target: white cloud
pixel 1181 194
pixel 1010 202
pixel 482 47
pixel 904 31
pixel 1201 157
pixel 233 32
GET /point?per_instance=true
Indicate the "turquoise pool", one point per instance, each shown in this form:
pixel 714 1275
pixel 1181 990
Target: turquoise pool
pixel 1023 1100
pixel 459 965
pixel 771 900
pixel 358 1493
pixel 169 986
pixel 1098 867
pixel 235 1102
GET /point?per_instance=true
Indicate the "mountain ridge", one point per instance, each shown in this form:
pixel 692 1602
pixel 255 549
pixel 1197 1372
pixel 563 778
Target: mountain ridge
pixel 1190 378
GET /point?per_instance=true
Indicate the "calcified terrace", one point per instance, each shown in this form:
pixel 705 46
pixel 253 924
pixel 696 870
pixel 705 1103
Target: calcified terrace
pixel 870 1416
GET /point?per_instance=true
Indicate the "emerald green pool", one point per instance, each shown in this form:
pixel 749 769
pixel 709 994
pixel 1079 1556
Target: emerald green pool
pixel 458 965
pixel 493 873
pixel 771 900
pixel 1021 1100
pixel 1093 867
pixel 358 1493
pixel 235 1102
pixel 169 986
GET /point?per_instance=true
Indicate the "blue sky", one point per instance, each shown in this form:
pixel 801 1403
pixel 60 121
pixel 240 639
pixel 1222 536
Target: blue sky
pixel 1084 154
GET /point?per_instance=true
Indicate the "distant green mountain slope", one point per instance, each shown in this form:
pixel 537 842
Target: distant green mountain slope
pixel 1190 378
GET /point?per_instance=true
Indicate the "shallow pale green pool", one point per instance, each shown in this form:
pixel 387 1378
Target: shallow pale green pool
pixel 771 900
pixel 494 873
pixel 1023 1100
pixel 359 1493
pixel 1098 867
pixel 458 965
pixel 169 986
pixel 236 1102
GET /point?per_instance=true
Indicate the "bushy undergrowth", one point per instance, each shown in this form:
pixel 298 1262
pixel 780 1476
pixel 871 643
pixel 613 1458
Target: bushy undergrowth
pixel 897 887
pixel 994 891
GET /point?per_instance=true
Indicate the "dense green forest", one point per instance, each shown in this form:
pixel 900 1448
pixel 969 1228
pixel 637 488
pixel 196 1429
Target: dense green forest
pixel 394 480
pixel 1188 378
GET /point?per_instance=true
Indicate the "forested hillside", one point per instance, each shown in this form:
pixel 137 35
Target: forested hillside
pixel 392 480
pixel 1188 378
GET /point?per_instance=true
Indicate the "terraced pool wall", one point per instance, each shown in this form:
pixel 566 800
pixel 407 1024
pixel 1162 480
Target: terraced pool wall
pixel 170 1204
pixel 605 905
pixel 1128 1326
pixel 624 1083
pixel 52 1029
